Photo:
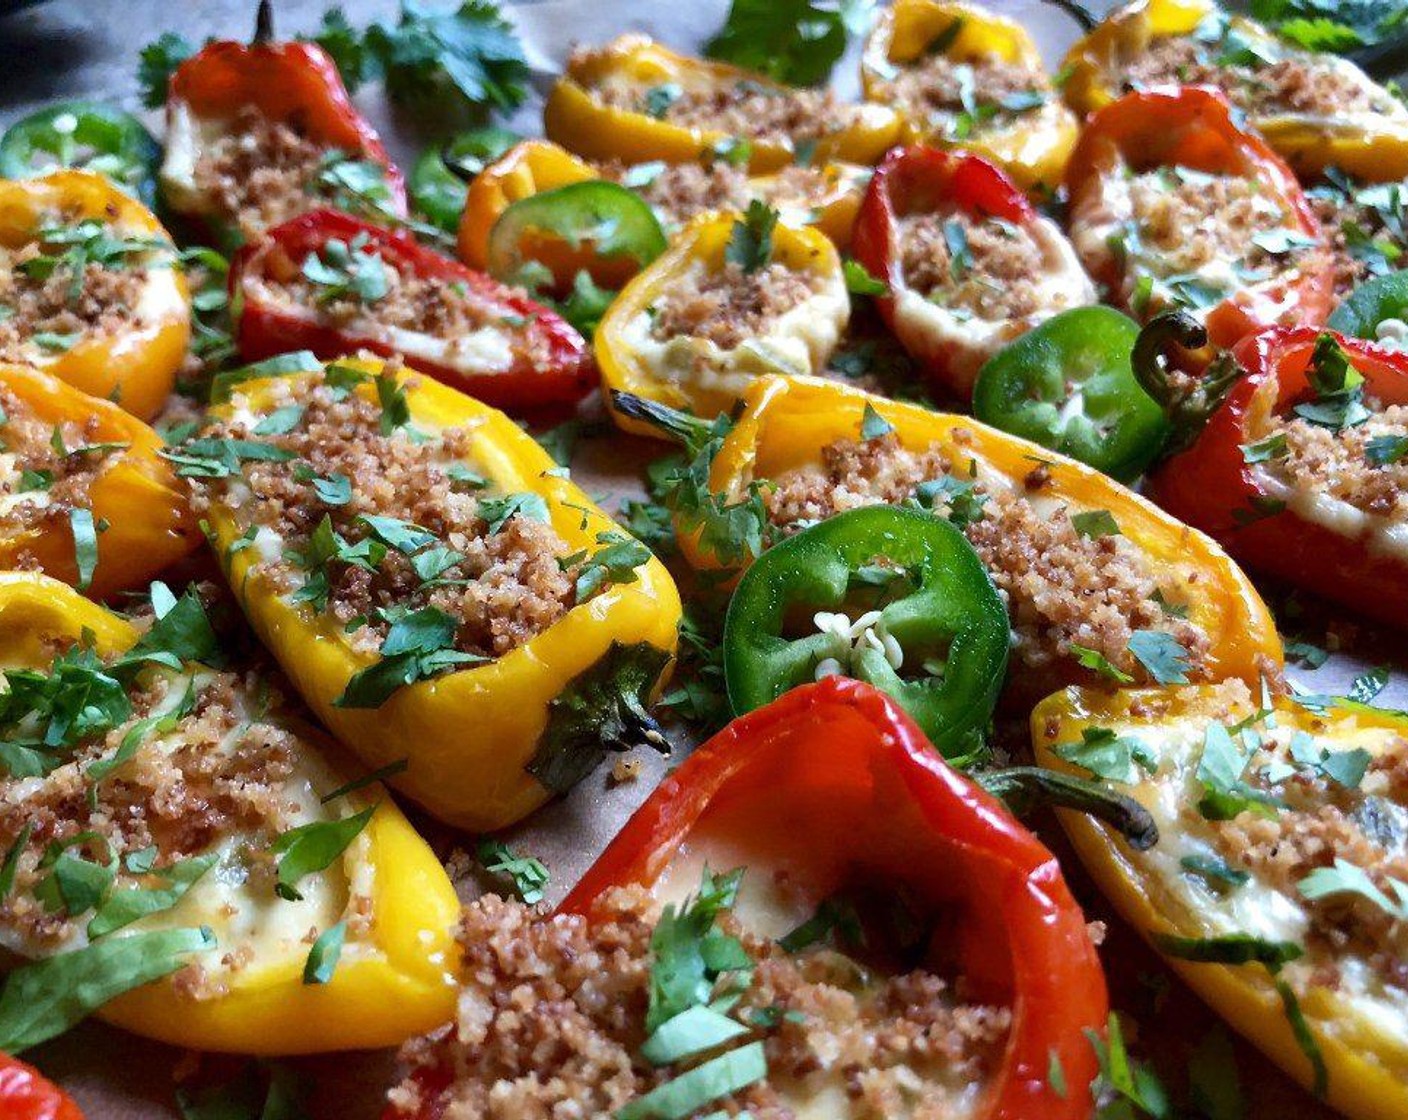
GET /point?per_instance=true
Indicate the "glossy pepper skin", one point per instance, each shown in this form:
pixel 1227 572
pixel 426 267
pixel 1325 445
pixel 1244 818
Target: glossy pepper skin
pixel 1194 127
pixel 469 734
pixel 919 180
pixel 145 506
pixel 26 1094
pixel 1031 147
pixel 1367 145
pixel 785 423
pixel 390 984
pixel 1367 1065
pixel 136 364
pixel 842 751
pixel 295 83
pixel 625 367
pixel 1212 486
pixel 268 327
pixel 579 120
pixel 535 166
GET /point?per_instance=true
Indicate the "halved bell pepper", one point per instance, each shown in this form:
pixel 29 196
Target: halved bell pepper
pixel 1280 273
pixel 951 332
pixel 26 1094
pixel 897 815
pixel 786 421
pixel 1228 483
pixel 472 735
pixel 1029 133
pixel 1227 51
pixel 140 511
pixel 1253 914
pixel 537 166
pixel 924 603
pixel 613 103
pixel 693 372
pixel 250 992
pixel 134 363
pixel 293 84
pixel 520 355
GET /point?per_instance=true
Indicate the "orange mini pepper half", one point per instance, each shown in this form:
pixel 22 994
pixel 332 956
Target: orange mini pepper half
pixel 61 219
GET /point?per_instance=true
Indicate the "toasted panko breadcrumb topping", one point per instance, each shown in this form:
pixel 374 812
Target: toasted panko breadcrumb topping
pixel 1337 461
pixel 508 585
pixel 727 305
pixel 552 1011
pixel 937 91
pixel 1061 588
pixel 984 266
pixel 679 191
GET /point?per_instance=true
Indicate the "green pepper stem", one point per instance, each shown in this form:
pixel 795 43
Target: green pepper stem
pixel 1024 788
pixel 1188 403
pixel 264 24
pixel 1383 60
pixel 679 426
pixel 1085 19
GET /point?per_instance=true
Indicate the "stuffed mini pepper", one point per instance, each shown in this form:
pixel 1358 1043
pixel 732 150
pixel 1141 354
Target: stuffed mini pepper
pixel 84 495
pixel 189 860
pixel 962 76
pixel 1301 471
pixel 1098 583
pixel 1278 888
pixel 1174 205
pixel 90 287
pixel 1315 108
pixel 967 262
pixel 258 133
pixel 634 100
pixel 736 297
pixel 921 955
pixel 438 591
pixel 333 284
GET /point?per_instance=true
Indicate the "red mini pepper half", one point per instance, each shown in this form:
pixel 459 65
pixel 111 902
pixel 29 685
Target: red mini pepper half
pixel 523 357
pixel 292 83
pixel 947 336
pixel 834 778
pixel 26 1094
pixel 1273 527
pixel 1193 130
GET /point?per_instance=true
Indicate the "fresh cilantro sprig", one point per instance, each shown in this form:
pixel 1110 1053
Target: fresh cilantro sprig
pixel 792 41
pixel 750 240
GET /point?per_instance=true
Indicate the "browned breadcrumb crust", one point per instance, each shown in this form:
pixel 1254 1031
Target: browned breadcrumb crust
pixel 259 173
pixel 727 306
pixel 551 1016
pixel 932 90
pixel 102 304
pixel 46 483
pixel 1337 216
pixel 745 109
pixel 679 191
pixel 508 588
pixel 1335 462
pixel 183 799
pixel 996 280
pixel 1061 588
pixel 1322 822
pixel 1300 82
pixel 432 306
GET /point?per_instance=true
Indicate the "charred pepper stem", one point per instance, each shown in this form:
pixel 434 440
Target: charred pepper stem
pixel 1085 19
pixel 263 24
pixel 1024 788
pixel 1187 409
pixel 672 422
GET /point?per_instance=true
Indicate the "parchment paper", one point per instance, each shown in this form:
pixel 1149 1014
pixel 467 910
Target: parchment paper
pixel 72 47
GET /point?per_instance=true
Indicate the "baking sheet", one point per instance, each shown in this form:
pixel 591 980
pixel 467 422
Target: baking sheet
pixel 72 47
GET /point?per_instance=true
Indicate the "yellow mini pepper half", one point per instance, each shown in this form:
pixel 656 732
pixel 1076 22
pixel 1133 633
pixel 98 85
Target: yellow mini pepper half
pixel 1192 889
pixel 785 423
pixel 141 509
pixel 1031 142
pixel 392 979
pixel 690 372
pixel 1368 144
pixel 598 109
pixel 535 166
pixel 468 736
pixel 135 363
